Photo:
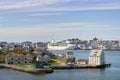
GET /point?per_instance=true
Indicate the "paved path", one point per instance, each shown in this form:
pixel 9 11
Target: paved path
pixel 61 63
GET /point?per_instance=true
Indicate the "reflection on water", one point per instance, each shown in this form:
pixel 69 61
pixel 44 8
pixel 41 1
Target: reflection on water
pixel 111 73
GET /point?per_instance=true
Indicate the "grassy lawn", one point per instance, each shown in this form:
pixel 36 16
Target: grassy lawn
pixel 28 66
pixel 53 62
pixel 24 65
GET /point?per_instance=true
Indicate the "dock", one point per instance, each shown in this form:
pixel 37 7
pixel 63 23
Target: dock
pixel 81 67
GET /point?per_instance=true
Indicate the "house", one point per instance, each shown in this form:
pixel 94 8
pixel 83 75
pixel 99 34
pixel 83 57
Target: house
pixel 9 46
pixel 0 48
pixel 15 58
pixel 41 61
pixel 9 59
pixel 26 43
pixel 28 58
pixel 96 57
pixel 39 51
pixel 45 59
pixel 27 48
pixel 18 58
pixel 82 62
pixel 70 57
pixel 21 58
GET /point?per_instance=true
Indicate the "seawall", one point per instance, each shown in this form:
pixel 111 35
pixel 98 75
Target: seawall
pixel 51 69
pixel 28 70
pixel 80 67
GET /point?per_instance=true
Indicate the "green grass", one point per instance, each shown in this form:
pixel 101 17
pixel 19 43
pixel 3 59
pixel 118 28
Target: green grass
pixel 29 66
pixel 53 62
pixel 23 65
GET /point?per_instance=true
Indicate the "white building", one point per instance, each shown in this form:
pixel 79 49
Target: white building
pixel 96 57
pixel 0 48
pixel 70 57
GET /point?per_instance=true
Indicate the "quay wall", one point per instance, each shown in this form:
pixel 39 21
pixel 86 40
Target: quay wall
pixel 80 67
pixel 52 68
pixel 28 70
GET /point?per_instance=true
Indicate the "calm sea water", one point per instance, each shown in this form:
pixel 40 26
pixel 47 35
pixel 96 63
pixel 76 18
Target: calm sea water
pixel 110 73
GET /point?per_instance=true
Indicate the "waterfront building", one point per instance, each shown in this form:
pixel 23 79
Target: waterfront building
pixel 18 58
pixel 8 59
pixel 41 61
pixel 70 57
pixel 21 58
pixel 28 58
pixel 0 48
pixel 96 57
pixel 45 59
pixel 82 62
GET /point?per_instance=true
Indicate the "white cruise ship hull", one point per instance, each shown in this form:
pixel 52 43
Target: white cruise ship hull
pixel 68 47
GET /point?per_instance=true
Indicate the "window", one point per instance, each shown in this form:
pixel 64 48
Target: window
pixel 11 58
pixel 25 58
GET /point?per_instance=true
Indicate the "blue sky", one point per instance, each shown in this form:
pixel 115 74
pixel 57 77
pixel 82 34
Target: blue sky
pixel 44 20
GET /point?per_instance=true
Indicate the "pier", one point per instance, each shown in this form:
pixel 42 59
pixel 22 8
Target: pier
pixel 81 67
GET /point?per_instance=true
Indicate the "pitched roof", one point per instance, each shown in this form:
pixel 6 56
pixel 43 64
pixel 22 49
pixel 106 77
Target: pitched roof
pixel 96 52
pixel 70 53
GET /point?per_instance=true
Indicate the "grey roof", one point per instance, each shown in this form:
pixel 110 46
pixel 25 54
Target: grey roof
pixel 70 53
pixel 96 52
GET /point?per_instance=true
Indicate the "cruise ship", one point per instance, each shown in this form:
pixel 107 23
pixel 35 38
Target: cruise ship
pixel 61 45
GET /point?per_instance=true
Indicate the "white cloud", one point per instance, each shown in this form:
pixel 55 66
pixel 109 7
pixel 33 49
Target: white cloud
pixel 50 5
pixel 103 6
pixel 52 28
pixel 28 3
pixel 45 14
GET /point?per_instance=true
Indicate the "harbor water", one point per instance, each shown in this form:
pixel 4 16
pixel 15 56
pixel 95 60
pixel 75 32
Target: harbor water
pixel 110 73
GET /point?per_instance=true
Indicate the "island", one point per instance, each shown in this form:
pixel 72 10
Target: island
pixel 41 61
